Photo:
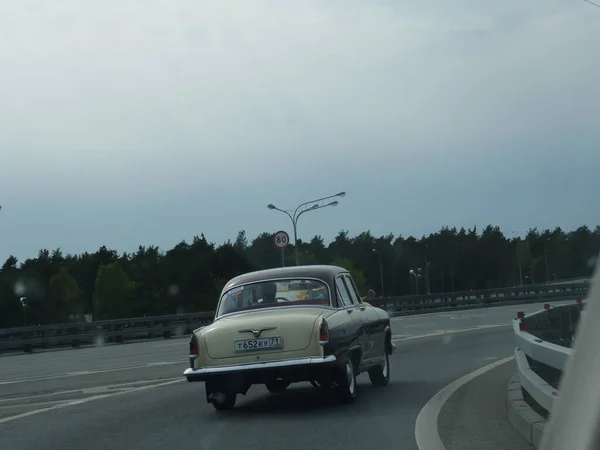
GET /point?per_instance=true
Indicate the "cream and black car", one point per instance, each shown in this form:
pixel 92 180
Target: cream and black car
pixel 292 324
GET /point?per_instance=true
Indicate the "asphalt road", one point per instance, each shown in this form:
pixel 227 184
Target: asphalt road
pixel 133 396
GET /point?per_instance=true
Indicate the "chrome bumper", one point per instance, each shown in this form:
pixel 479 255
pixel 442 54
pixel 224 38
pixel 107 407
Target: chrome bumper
pixel 192 373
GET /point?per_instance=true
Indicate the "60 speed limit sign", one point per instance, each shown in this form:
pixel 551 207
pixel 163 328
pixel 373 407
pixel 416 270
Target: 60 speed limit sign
pixel 281 239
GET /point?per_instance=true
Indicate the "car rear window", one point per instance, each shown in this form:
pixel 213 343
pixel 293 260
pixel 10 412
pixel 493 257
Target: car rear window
pixel 268 294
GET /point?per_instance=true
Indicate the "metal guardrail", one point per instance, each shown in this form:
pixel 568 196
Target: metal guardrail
pixel 101 332
pixel 538 292
pixel 543 348
pixel 117 331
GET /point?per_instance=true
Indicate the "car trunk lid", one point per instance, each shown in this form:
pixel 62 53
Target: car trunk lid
pixel 277 330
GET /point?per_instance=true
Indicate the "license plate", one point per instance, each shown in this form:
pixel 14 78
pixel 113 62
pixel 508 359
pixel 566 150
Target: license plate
pixel 257 344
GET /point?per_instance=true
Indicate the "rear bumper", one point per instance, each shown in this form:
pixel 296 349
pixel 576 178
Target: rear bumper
pixel 204 373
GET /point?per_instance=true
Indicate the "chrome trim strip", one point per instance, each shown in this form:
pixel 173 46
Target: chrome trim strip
pixel 262 365
pixel 330 308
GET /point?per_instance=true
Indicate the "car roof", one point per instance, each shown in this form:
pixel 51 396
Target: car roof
pixel 321 272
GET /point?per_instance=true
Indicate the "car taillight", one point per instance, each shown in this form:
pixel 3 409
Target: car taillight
pixel 193 347
pixel 323 332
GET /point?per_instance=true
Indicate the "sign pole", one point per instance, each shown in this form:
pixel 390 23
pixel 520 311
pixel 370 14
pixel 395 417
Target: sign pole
pixel 281 240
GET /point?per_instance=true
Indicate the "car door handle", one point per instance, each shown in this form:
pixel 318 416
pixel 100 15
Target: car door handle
pixel 362 308
pixel 349 311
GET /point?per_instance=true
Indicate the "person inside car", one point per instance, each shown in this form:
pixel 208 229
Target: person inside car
pixel 370 294
pixel 269 292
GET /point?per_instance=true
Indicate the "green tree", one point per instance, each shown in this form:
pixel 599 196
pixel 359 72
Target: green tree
pixel 113 293
pixel 189 276
pixel 65 295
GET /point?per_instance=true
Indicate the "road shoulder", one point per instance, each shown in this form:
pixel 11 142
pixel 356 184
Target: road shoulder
pixel 475 417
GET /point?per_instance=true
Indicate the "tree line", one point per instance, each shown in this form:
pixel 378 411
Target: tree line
pixel 56 287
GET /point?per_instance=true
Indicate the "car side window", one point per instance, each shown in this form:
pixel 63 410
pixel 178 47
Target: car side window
pixel 352 289
pixel 343 292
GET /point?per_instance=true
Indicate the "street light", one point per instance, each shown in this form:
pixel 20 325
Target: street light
pixel 23 301
pixel 412 272
pixel 298 212
pixel 517 244
pixel 546 259
pixel 427 271
pixel 532 277
pixel 380 272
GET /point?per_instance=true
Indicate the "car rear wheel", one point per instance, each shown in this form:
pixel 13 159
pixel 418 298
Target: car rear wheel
pixel 380 375
pixel 321 384
pixel 221 400
pixel 346 386
pixel 277 386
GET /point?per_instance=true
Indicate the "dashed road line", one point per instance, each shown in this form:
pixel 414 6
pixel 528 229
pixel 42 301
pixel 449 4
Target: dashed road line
pixel 90 390
pixel 451 331
pixel 91 372
pixel 84 400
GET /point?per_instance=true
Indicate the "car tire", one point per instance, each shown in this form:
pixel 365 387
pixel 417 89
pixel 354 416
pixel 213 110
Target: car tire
pixel 227 401
pixel 222 400
pixel 346 386
pixel 277 386
pixel 380 375
pixel 321 384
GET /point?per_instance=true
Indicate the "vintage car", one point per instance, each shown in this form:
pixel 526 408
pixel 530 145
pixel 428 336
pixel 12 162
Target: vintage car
pixel 291 324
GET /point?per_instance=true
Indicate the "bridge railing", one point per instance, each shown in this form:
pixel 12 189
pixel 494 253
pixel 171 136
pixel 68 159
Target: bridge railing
pixel 543 348
pixel 117 331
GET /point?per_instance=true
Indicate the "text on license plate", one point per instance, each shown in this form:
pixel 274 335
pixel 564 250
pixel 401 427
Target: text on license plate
pixel 257 344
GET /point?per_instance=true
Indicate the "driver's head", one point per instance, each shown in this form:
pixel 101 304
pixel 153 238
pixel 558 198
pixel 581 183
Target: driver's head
pixel 269 291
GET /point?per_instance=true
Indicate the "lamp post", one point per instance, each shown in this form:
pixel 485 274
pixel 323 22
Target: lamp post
pixel 546 259
pixel 548 241
pixel 300 210
pixel 427 271
pixel 380 272
pixel 23 301
pixel 412 272
pixel 517 245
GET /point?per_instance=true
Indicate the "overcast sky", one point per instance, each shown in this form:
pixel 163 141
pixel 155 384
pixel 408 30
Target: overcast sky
pixel 129 122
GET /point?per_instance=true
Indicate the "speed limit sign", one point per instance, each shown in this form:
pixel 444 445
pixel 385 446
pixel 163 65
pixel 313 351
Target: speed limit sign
pixel 281 239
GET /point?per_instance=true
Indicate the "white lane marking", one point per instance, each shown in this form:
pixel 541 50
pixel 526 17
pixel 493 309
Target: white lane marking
pixel 426 427
pixel 442 332
pixel 91 372
pixel 419 324
pixel 488 358
pixel 467 316
pixel 89 390
pixel 415 317
pixel 25 405
pixel 85 400
pixel 176 344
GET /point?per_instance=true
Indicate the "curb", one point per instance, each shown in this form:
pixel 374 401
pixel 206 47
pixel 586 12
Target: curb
pixel 529 424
